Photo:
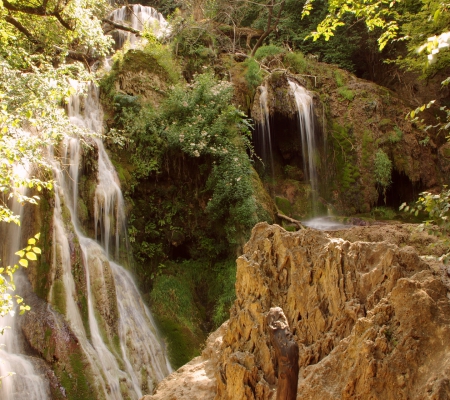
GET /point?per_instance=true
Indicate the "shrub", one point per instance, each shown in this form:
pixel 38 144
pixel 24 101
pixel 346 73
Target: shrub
pixel 346 93
pixel 253 76
pixel 296 61
pixel 339 78
pixel 382 170
pixel 395 136
pixel 266 52
pixel 201 121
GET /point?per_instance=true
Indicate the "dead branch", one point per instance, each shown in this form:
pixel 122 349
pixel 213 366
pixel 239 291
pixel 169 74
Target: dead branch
pixel 121 27
pixel 291 220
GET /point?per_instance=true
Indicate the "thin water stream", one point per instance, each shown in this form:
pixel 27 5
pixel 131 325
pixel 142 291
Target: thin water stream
pixel 305 113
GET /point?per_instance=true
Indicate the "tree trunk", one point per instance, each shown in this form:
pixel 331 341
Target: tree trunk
pixel 286 354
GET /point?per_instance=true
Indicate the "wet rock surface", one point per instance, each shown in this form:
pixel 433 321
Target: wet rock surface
pixel 372 321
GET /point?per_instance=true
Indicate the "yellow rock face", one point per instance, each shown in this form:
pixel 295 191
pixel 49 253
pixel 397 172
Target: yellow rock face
pixel 372 321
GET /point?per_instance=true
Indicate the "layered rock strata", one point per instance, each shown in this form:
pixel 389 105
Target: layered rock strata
pixel 372 321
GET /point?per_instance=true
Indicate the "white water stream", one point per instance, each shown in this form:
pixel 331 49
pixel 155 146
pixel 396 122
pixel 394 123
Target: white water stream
pixel 138 17
pixel 305 112
pixel 124 355
pixel 140 348
pixel 263 141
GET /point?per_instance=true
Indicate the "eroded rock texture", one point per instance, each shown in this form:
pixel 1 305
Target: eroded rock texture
pixel 371 320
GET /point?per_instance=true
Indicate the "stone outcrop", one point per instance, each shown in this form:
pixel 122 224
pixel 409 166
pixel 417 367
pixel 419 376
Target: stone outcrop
pixel 371 320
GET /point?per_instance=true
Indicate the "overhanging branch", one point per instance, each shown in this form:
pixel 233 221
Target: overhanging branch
pixel 121 27
pixel 40 10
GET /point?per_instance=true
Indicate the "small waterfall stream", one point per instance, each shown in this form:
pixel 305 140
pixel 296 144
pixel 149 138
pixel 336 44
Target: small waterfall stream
pixel 262 137
pixel 305 112
pixel 265 135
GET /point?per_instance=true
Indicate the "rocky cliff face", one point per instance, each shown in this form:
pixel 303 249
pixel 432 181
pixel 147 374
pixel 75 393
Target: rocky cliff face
pixel 371 320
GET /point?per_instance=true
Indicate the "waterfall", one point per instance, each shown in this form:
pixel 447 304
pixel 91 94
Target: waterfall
pixel 109 286
pixel 262 137
pixel 138 17
pixel 305 112
pixel 115 333
pixel 26 383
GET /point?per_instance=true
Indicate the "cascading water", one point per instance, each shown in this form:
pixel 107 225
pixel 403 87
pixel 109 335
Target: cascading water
pixel 262 137
pixel 26 383
pixel 305 112
pixel 138 17
pixel 118 359
pixel 115 332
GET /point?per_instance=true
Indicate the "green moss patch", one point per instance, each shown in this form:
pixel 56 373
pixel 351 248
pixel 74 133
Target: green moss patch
pixel 283 205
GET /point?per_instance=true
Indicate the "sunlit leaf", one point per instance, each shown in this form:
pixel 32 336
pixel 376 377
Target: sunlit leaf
pixel 23 262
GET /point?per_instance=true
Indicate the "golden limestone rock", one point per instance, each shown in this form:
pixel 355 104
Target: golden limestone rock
pixel 372 321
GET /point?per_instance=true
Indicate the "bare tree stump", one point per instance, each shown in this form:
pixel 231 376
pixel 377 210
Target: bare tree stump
pixel 286 353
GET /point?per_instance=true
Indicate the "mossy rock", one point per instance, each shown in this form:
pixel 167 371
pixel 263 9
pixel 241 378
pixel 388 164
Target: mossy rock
pixel 182 344
pixel 177 315
pixel 283 205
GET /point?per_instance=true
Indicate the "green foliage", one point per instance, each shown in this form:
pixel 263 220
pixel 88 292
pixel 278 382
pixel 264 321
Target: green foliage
pixel 342 49
pixel 382 170
pixel 339 78
pixel 51 30
pixel 437 206
pixel 396 136
pixel 253 75
pixel 201 121
pixel 284 205
pixel 347 171
pixel 223 291
pixel 296 60
pixel 192 181
pixel 376 14
pixel 177 314
pixel 173 298
pixel 73 378
pixel 346 93
pixel 367 149
pixel 384 213
pixel 264 53
pixel 163 56
pixel 193 42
